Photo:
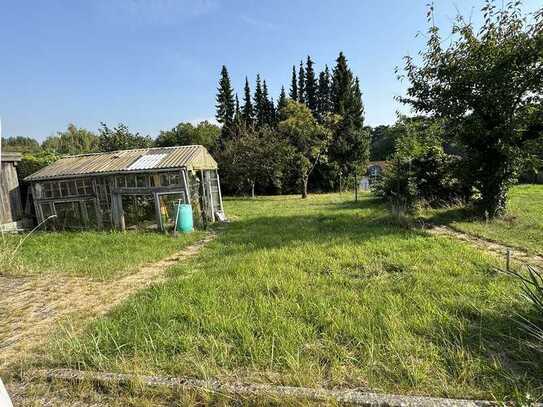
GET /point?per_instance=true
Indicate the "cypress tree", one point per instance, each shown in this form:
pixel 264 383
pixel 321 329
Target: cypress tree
pixel 268 105
pixel 342 86
pixel 281 103
pixel 350 146
pixel 247 111
pixel 301 83
pixel 293 85
pixel 260 108
pixel 323 94
pixel 225 101
pixel 310 86
pixel 237 112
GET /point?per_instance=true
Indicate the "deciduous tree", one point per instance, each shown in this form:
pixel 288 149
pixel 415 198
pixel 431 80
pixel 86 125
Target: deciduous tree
pixel 480 83
pixel 308 138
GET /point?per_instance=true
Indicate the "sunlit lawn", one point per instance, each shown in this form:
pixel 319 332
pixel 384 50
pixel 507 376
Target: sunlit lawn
pixel 101 255
pixel 323 292
pixel 521 227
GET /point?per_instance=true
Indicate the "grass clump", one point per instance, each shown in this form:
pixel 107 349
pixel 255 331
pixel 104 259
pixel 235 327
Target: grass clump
pixel 323 292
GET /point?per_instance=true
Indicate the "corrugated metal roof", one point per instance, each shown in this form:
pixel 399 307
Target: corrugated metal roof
pixel 193 157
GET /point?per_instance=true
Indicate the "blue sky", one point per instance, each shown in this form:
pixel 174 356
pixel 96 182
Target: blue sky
pixel 154 63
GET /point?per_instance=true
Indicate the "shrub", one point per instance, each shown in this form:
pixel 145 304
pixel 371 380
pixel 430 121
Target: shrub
pixel 430 178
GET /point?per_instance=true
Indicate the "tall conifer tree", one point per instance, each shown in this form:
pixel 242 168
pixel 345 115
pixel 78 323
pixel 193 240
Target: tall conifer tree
pixel 247 111
pixel 260 105
pixel 281 103
pixel 294 85
pixel 237 112
pixel 310 86
pixel 324 102
pixel 225 102
pixel 350 146
pixel 301 83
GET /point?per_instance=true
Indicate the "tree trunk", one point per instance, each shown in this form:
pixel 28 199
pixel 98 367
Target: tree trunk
pixel 305 181
pixel 340 184
pixel 252 189
pixel 493 198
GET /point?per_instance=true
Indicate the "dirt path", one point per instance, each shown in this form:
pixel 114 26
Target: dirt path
pixel 30 307
pixel 496 248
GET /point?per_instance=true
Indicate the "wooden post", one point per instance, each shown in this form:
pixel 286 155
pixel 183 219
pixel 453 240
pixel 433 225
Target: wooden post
pixel 212 206
pixel 158 215
pixel 202 200
pixel 508 260
pixel 355 186
pixel 219 189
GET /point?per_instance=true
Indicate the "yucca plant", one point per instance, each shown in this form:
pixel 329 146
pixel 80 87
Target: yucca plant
pixel 532 291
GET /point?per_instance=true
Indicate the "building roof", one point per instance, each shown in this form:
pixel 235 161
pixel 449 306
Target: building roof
pixel 8 156
pixel 160 158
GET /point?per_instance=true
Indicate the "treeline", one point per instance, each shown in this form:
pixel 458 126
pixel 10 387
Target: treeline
pixel 75 140
pixel 316 130
pixel 311 139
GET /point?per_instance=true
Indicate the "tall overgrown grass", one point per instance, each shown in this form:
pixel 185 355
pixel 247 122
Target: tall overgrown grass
pixel 10 263
pixel 532 292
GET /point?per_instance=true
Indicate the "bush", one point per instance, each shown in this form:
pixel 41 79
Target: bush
pixel 431 178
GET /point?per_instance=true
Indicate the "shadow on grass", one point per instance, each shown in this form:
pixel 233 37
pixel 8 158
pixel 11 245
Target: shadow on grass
pixel 498 338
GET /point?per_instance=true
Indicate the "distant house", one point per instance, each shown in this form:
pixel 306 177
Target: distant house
pixel 127 189
pixel 11 210
pixel 374 170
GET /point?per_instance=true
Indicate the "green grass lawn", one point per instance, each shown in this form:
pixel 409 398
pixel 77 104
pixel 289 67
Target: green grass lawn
pixel 322 292
pixel 101 255
pixel 521 227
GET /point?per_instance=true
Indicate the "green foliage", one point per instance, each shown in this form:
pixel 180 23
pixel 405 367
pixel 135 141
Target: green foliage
pixel 301 83
pixel 247 110
pixel 253 158
pixel 293 94
pixel 184 134
pixel 72 141
pixel 259 103
pixel 382 143
pixel 308 138
pixel 225 101
pixel 480 84
pixel 281 104
pixel 532 291
pixel 311 87
pixel 21 145
pixel 419 170
pixel 120 138
pixel 324 97
pixel 30 163
pixel 349 149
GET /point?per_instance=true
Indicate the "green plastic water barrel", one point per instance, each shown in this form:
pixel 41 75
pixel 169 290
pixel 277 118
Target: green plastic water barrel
pixel 184 218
